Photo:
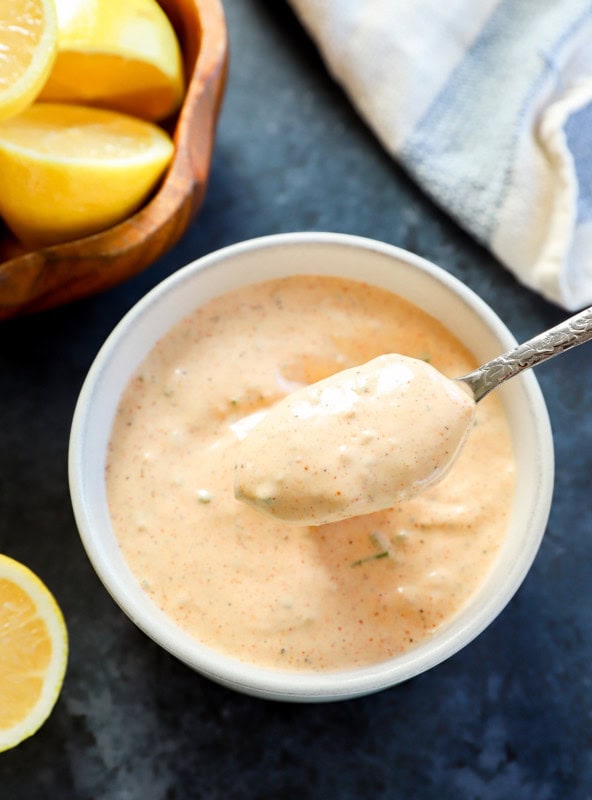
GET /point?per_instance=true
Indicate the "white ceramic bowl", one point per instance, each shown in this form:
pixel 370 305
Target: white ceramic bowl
pixel 415 279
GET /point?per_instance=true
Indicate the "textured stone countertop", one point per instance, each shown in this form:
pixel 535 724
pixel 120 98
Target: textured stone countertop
pixel 507 718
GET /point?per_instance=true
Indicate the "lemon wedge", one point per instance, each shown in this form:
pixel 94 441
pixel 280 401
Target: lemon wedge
pixel 33 652
pixel 28 47
pixel 118 54
pixel 69 171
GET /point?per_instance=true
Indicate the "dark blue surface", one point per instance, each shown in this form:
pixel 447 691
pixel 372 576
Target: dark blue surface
pixel 510 717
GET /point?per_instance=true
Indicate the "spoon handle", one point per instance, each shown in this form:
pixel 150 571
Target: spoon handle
pixel 572 332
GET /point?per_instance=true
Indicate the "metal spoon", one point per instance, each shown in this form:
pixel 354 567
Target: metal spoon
pixel 421 454
pixel 570 333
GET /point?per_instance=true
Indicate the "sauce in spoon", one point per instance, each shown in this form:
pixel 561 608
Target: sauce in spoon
pixel 361 440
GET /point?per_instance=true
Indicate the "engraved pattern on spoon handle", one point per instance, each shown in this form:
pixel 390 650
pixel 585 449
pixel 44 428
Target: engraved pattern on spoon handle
pixel 572 332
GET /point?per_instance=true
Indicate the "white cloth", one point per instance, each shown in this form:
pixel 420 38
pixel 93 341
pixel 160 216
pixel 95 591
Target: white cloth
pixel 488 105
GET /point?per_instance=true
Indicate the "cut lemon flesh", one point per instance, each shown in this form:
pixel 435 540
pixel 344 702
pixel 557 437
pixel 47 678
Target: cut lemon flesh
pixel 28 47
pixel 116 54
pixel 69 171
pixel 33 652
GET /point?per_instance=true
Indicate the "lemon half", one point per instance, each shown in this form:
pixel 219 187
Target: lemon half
pixel 118 54
pixel 33 652
pixel 28 47
pixel 69 171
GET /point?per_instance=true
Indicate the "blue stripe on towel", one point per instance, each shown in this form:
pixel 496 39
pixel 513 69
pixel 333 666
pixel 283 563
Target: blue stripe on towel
pixel 578 130
pixel 463 149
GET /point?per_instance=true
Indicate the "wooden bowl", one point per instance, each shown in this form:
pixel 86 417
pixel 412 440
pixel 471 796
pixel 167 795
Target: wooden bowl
pixel 40 279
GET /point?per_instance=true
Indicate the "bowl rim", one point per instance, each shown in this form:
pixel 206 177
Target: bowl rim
pixel 229 671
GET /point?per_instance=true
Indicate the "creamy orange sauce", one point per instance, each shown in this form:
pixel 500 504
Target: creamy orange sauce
pixel 282 595
pixel 357 442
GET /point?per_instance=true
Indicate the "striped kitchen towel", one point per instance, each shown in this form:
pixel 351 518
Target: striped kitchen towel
pixel 488 105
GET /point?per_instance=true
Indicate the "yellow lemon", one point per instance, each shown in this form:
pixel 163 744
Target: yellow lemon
pixel 69 171
pixel 28 46
pixel 33 652
pixel 119 54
